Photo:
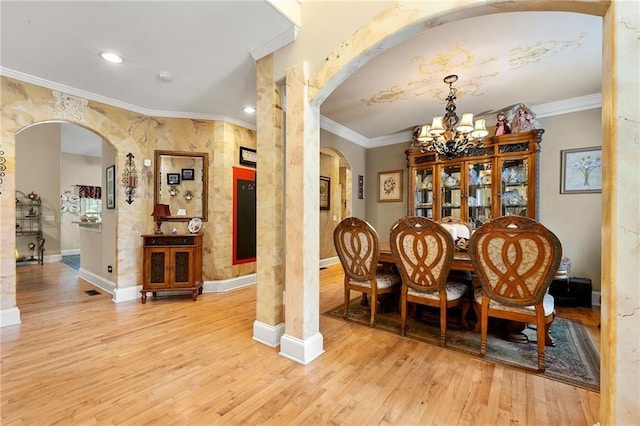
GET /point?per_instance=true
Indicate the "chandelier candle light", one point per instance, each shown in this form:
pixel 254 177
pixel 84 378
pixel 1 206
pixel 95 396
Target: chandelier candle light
pixel 445 136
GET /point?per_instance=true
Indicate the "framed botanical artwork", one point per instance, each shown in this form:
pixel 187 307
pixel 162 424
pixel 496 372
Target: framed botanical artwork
pixel 187 174
pixel 111 187
pixel 173 178
pixel 248 156
pixel 325 193
pixel 390 186
pixel 360 187
pixel 581 170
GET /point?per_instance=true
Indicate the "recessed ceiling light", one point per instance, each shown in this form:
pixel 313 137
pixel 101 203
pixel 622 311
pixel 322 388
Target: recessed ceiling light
pixel 249 110
pixel 165 76
pixel 111 57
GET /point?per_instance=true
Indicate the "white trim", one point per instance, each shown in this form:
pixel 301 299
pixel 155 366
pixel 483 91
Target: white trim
pixel 301 351
pixel 595 298
pixel 97 280
pixel 266 334
pixel 276 43
pixel 566 106
pixel 52 258
pixel 10 317
pixel 119 104
pixel 126 294
pixel 329 261
pixel 220 286
pixel 70 252
pixel 344 132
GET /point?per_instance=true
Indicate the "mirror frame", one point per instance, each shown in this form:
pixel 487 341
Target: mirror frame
pixel 205 179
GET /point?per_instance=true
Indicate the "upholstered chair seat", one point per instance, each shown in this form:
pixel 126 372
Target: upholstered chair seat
pixel 453 290
pixel 548 304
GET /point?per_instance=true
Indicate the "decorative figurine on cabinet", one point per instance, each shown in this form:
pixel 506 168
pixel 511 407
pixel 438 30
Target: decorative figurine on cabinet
pixel 502 125
pixel 523 119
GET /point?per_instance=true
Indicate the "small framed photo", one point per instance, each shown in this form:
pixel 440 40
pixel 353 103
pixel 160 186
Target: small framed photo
pixel 248 156
pixel 111 187
pixel 173 178
pixel 325 193
pixel 187 174
pixel 390 186
pixel 581 170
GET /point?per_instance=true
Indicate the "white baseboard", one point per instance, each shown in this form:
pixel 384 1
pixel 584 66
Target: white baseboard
pixel 329 261
pixel 10 317
pixel 220 286
pixel 126 294
pixel 595 298
pixel 52 258
pixel 97 280
pixel 302 351
pixel 266 334
pixel 70 252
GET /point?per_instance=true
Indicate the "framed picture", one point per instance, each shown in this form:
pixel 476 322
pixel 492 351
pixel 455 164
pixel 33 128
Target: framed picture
pixel 111 187
pixel 187 174
pixel 325 193
pixel 360 187
pixel 390 186
pixel 248 156
pixel 173 178
pixel 581 170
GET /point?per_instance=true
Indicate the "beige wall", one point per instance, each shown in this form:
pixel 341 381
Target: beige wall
pixel 575 218
pixel 38 170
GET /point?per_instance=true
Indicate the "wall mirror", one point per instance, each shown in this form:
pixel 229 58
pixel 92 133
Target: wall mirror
pixel 181 182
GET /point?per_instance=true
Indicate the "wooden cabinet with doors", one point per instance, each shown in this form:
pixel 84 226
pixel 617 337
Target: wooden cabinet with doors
pixel 172 262
pixel 499 179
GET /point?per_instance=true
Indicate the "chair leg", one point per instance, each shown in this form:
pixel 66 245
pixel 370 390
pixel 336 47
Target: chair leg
pixel 541 341
pixel 443 320
pixel 403 310
pixel 374 307
pixel 345 314
pixel 484 320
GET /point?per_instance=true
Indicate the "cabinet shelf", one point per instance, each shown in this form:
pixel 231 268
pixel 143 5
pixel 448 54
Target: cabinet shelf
pixel 29 224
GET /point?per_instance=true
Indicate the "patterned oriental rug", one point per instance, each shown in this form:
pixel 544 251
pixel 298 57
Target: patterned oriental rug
pixel 574 359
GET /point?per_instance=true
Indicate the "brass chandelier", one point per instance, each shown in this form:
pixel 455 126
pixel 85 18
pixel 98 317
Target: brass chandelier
pixel 449 136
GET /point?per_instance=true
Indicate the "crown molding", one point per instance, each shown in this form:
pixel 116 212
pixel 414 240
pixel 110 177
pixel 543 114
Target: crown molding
pixel 119 104
pixel 550 109
pixel 289 36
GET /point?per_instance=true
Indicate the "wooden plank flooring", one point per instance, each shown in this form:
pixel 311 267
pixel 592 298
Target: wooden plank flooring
pixel 79 359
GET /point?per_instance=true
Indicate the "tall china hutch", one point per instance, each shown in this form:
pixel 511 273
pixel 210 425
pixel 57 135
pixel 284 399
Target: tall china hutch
pixel 499 179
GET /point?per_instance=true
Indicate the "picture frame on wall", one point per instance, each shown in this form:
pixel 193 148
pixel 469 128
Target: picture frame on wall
pixel 111 187
pixel 248 156
pixel 188 174
pixel 173 178
pixel 581 170
pixel 325 193
pixel 390 186
pixel 360 187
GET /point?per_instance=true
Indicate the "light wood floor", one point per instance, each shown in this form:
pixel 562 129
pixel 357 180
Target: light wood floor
pixel 79 359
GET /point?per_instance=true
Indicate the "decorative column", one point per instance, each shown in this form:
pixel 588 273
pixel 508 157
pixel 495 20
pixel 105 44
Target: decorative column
pixel 620 312
pixel 302 341
pixel 269 324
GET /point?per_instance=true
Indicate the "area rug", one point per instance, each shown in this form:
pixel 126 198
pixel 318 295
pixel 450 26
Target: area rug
pixel 72 261
pixel 574 359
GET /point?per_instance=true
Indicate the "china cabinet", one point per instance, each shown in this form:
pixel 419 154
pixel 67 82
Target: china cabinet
pixel 29 225
pixel 172 262
pixel 499 179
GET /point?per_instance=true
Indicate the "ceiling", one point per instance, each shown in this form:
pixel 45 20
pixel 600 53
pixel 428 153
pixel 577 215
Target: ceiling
pixel 549 61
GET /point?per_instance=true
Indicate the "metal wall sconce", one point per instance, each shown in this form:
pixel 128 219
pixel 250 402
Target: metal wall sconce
pixel 130 178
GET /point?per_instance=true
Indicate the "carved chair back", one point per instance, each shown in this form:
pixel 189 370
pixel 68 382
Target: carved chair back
pixel 422 250
pixel 516 259
pixel 356 243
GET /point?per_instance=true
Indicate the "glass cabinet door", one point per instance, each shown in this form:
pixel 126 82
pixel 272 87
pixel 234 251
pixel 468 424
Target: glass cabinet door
pixel 479 192
pixel 514 174
pixel 451 190
pixel 423 185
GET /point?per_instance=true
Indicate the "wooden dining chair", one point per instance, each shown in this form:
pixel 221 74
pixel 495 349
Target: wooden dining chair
pixel 423 251
pixel 516 259
pixel 357 245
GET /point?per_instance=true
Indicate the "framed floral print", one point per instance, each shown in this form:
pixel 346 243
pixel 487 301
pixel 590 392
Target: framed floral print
pixel 390 186
pixel 581 170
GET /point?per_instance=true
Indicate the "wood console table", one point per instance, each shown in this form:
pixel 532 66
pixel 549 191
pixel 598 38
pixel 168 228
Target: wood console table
pixel 172 262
